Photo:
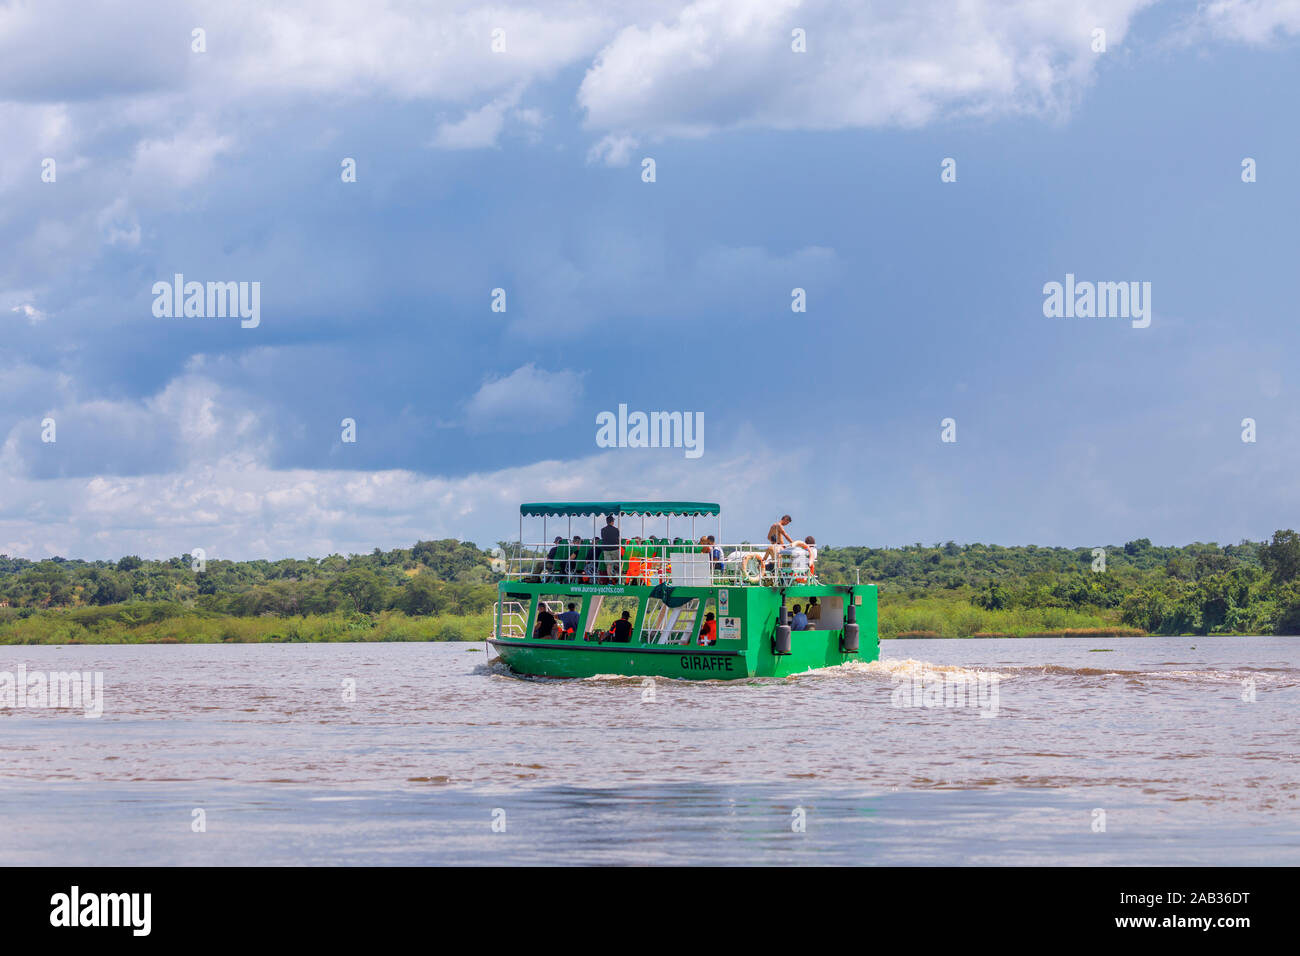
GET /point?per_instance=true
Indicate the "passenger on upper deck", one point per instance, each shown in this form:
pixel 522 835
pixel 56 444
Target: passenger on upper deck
pixel 715 553
pixel 609 541
pixel 572 567
pixel 778 529
pixel 773 549
pixel 809 544
pixel 549 570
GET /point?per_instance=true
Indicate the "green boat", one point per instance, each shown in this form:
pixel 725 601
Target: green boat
pixel 689 607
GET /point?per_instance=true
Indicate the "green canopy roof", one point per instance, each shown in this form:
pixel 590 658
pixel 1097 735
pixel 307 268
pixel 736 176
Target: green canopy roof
pixel 550 509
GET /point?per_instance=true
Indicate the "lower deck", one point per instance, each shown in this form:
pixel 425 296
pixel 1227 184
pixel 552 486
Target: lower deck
pixel 709 633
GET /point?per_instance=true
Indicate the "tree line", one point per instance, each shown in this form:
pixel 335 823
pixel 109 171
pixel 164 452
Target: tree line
pixel 1200 588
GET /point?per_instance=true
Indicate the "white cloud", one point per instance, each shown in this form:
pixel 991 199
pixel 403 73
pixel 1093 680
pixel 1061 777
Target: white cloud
pixel 403 49
pixel 180 159
pixel 32 314
pixel 222 494
pixel 193 420
pixel 613 149
pixel 1251 21
pixel 480 128
pixel 118 224
pixel 722 64
pixel 525 396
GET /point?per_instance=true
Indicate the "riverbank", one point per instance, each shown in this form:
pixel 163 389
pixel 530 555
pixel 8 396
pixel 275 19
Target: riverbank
pixel 162 623
pixel 954 616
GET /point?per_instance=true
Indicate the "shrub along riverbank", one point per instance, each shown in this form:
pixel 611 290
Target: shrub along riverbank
pixel 157 623
pixel 953 615
pixel 444 591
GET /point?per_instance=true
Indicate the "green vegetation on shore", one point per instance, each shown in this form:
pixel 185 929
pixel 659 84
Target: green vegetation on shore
pixel 444 590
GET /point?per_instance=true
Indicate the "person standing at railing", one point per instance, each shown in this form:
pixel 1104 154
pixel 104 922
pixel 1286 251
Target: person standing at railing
pixel 778 529
pixel 609 547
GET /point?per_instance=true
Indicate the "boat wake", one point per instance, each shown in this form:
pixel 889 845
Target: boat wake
pixel 909 669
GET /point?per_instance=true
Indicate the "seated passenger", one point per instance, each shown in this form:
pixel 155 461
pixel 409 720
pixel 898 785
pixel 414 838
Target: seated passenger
pixel 552 569
pixel 622 629
pixel 813 611
pixel 570 620
pixel 715 553
pixel 708 630
pixel 545 623
pixel 572 568
pixel 800 621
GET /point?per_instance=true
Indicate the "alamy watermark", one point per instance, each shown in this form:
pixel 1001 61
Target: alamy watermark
pixel 651 430
pixel 129 910
pixel 213 300
pixel 947 690
pixel 57 690
pixel 1100 300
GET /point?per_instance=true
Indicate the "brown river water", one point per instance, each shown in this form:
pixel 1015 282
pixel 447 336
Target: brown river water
pixel 1077 751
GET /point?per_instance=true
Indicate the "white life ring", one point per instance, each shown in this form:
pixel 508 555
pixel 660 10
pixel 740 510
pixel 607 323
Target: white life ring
pixel 755 576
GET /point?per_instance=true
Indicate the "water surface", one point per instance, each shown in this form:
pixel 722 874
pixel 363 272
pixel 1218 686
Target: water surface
pixel 1102 751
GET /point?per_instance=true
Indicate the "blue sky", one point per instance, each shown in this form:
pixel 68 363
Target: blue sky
pixel 521 170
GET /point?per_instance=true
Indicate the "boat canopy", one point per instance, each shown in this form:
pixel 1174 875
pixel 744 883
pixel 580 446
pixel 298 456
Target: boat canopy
pixel 549 509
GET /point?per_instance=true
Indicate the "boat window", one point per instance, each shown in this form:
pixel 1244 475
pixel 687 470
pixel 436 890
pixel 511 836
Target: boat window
pixel 557 604
pixel 831 615
pixel 669 625
pixel 710 607
pixel 606 609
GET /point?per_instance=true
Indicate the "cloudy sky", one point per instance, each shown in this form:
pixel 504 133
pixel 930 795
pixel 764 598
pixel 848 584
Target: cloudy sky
pixel 502 147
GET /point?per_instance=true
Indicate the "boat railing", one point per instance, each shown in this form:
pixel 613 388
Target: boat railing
pixel 512 616
pixel 657 562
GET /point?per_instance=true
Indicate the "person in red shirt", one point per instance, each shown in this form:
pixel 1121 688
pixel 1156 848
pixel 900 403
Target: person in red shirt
pixel 708 630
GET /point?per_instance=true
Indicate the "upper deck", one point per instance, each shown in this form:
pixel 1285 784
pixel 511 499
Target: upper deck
pixel 634 555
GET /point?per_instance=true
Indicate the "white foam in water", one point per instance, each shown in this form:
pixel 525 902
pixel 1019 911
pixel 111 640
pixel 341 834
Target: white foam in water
pixel 909 668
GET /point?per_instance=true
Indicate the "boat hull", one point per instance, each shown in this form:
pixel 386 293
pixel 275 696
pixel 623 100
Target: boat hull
pixel 580 660
pixel 746 647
